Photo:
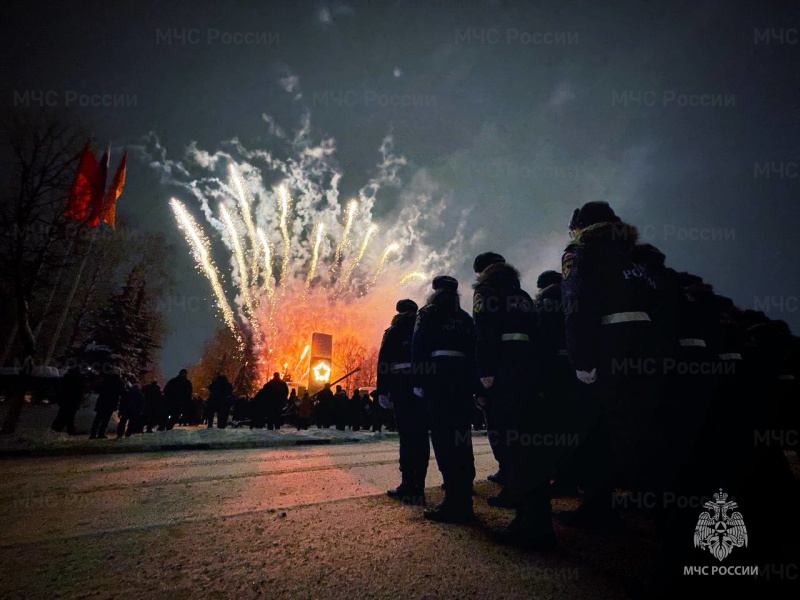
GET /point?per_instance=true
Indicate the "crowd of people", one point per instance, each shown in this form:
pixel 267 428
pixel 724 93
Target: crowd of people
pixel 620 374
pixel 147 408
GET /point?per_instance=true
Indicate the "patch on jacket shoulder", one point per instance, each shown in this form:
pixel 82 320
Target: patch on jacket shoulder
pixel 566 264
pixel 477 303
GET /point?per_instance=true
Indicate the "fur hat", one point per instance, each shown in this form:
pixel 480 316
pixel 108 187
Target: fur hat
pixel 406 305
pixel 484 260
pixel 445 282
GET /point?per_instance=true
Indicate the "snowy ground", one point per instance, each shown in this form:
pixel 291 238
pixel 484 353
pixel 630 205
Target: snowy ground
pixel 307 522
pixel 299 522
pixel 34 436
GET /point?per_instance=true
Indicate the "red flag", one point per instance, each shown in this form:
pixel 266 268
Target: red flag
pixel 99 190
pixel 80 194
pixel 114 191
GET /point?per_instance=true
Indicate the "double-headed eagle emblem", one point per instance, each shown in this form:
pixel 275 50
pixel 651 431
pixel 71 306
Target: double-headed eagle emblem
pixel 720 533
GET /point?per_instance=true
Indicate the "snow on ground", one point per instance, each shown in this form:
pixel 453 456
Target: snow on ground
pixel 34 435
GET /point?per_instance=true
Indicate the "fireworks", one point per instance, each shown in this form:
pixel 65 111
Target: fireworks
pixel 314 255
pixel 238 252
pixel 373 229
pixel 287 240
pixel 202 255
pixel 392 247
pixel 413 276
pixel 323 283
pixel 337 257
pixel 244 209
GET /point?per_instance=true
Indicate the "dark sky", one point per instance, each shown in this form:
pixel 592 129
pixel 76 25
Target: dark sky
pixel 683 115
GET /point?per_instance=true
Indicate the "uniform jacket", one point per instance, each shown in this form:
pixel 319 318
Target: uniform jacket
pixel 600 278
pixel 396 349
pixel 502 310
pixel 442 325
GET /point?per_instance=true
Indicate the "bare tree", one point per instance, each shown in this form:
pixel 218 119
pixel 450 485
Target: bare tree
pixel 348 354
pixel 221 355
pixel 39 156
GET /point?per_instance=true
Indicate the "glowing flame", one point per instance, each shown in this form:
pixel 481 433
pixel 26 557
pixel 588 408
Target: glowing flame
pixel 321 371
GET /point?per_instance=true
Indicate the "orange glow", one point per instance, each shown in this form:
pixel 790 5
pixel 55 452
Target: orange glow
pixel 321 371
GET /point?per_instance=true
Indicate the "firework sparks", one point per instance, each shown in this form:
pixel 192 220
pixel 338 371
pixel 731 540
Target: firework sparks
pixel 320 228
pixel 412 276
pixel 238 253
pixel 266 272
pixel 373 229
pixel 284 226
pixel 244 208
pixel 284 304
pixel 202 255
pixel 351 213
pixel 392 247
pixel 302 356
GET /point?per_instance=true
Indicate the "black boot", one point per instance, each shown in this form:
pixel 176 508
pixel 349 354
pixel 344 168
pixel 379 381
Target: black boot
pixel 524 534
pixel 501 500
pixel 456 508
pixel 447 513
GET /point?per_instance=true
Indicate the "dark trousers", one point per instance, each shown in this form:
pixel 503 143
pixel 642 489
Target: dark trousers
pixel 65 418
pixel 411 416
pixel 126 426
pixel 100 423
pixel 496 432
pixel 274 419
pixel 451 436
pixel 222 418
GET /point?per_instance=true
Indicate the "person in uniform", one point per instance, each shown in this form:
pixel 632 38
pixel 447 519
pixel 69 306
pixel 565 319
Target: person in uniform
pixel 615 349
pixel 495 426
pixel 443 374
pixel 560 389
pixel 506 330
pixel 395 391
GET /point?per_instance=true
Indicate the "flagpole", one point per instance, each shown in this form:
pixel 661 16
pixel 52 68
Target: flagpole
pixel 52 292
pixel 68 302
pixel 96 213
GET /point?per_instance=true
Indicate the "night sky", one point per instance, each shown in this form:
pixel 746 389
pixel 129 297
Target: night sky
pixel 682 115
